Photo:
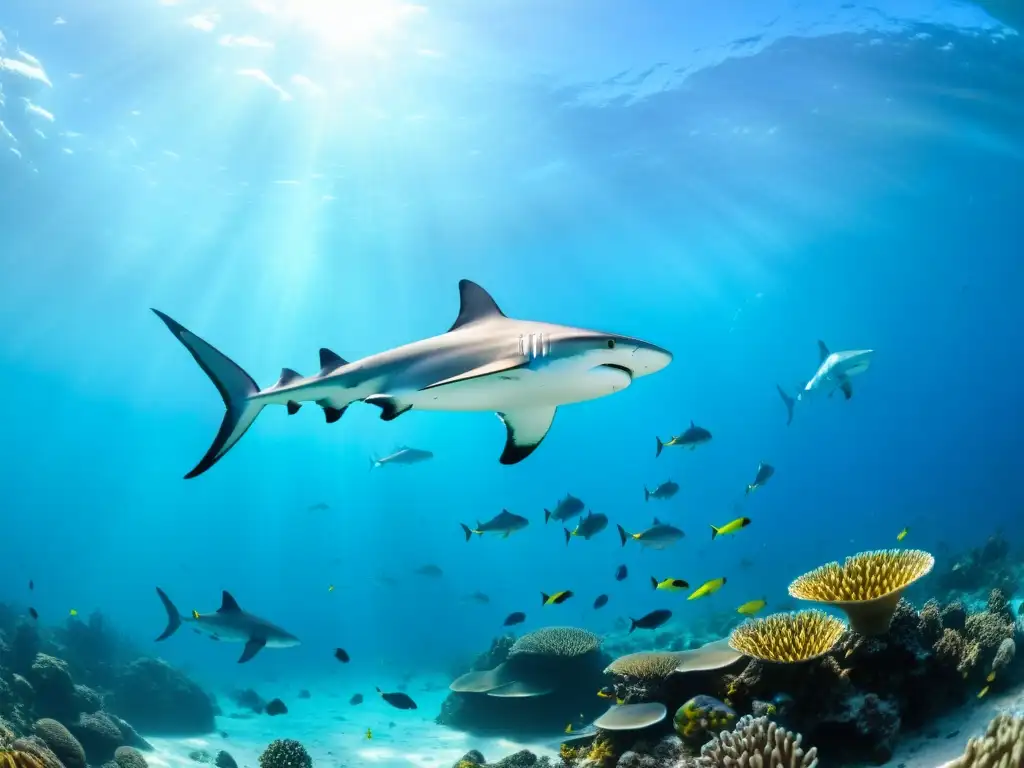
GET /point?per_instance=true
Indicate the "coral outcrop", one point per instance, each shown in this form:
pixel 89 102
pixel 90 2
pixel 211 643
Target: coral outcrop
pixel 1002 746
pixel 285 753
pixel 59 740
pixel 757 742
pixel 160 700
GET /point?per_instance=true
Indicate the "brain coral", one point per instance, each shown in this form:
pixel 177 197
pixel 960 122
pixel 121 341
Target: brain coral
pixel 129 757
pixel 757 742
pixel 61 743
pixel 563 642
pixel 285 753
pixel 35 746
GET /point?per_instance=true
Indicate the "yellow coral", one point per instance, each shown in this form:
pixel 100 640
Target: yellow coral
pixel 788 637
pixel 569 754
pixel 600 752
pixel 867 586
pixel 14 758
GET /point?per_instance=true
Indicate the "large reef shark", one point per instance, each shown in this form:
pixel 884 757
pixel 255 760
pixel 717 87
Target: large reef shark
pixel 520 369
pixel 834 373
pixel 230 624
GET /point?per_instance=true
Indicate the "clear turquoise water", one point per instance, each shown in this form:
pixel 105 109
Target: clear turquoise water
pixel 730 184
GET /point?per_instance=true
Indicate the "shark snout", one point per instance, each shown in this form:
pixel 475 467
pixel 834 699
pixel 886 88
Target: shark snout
pixel 648 358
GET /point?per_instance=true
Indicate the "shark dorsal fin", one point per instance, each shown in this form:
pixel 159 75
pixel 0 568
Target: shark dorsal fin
pixel 475 304
pixel 228 604
pixel 692 425
pixel 287 377
pixel 657 521
pixel 822 350
pixel 330 360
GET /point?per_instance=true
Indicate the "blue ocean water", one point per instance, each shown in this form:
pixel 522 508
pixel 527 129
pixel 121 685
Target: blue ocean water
pixel 727 183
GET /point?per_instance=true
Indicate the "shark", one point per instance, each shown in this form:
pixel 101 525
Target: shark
pixel 522 370
pixel 230 624
pixel 834 373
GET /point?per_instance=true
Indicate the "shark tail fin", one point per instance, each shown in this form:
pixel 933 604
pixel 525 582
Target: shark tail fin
pixel 624 535
pixel 236 387
pixel 547 516
pixel 789 401
pixel 647 494
pixel 660 446
pixel 173 617
pixel 467 530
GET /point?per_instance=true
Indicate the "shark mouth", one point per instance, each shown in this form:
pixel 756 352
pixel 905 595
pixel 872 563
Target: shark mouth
pixel 615 367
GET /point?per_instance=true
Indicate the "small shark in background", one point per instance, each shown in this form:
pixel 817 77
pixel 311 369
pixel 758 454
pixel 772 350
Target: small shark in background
pixel 404 455
pixel 520 369
pixel 230 624
pixel 834 372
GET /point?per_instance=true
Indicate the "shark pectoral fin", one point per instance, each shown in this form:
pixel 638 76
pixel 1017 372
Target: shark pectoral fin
pixel 254 646
pixel 525 428
pixel 847 389
pixel 390 407
pixel 488 369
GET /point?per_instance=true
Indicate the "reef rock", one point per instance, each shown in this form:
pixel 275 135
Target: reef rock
pixel 55 691
pixel 100 736
pixel 161 700
pixel 60 741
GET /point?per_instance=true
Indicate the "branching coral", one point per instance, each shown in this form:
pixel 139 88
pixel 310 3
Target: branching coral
pixel 13 758
pixel 788 637
pixel 1002 746
pixel 867 586
pixel 757 742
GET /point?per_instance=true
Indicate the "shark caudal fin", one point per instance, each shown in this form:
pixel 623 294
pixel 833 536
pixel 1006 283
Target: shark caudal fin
pixel 660 446
pixel 173 617
pixel 789 401
pixel 236 387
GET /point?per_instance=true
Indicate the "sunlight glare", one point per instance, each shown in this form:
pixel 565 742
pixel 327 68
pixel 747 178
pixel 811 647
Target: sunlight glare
pixel 345 24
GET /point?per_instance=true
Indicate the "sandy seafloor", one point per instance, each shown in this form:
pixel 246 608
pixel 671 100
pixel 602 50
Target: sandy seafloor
pixel 334 733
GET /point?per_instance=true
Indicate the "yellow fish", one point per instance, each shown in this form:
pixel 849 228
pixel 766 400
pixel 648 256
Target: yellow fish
pixel 991 676
pixel 330 588
pixel 619 700
pixel 752 607
pixel 195 614
pixel 707 588
pixel 557 598
pixel 982 692
pixel 73 612
pixel 607 692
pixel 568 728
pixel 369 733
pixel 670 584
pixel 730 527
pixel 902 534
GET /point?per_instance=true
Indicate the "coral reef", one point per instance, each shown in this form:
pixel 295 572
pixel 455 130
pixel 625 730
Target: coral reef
pixel 521 759
pixel 285 753
pixel 545 679
pixel 979 570
pixel 129 757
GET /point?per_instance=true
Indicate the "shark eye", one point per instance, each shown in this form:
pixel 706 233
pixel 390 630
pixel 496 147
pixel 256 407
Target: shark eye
pixel 611 343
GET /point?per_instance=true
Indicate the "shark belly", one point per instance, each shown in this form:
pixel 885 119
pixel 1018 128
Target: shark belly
pixel 550 385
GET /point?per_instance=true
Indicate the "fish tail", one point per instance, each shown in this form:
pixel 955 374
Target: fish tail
pixel 660 446
pixel 467 530
pixel 544 597
pixel 789 401
pixel 373 464
pixel 647 494
pixel 714 532
pixel 547 516
pixel 654 583
pixel 236 388
pixel 632 626
pixel 173 617
pixel 568 535
pixel 622 534
pixel 749 489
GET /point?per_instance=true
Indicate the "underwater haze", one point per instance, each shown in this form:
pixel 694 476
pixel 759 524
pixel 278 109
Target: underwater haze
pixel 731 182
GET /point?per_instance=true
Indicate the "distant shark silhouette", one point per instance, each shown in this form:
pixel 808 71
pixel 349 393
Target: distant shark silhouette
pixel 521 369
pixel 834 372
pixel 231 624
